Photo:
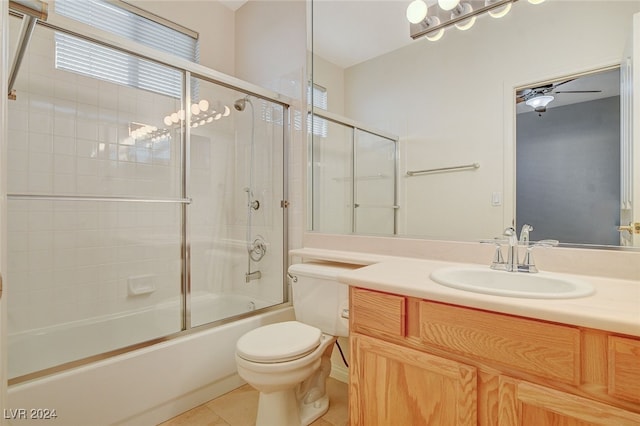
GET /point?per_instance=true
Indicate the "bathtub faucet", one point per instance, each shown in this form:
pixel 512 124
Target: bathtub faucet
pixel 255 275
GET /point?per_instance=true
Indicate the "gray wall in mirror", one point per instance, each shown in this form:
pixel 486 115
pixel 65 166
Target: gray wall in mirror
pixel 452 102
pixel 579 203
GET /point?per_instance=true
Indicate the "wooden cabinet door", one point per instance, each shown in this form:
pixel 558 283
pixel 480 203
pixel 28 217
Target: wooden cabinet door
pixel 523 403
pixel 393 385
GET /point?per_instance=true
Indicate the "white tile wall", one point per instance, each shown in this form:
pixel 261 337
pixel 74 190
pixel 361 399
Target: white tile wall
pixel 68 135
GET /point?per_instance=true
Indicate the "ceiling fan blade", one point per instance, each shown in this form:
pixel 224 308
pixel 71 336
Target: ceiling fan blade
pixel 560 84
pixel 578 91
pixel 519 99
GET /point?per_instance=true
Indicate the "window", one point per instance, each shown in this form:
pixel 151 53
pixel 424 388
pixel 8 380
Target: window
pixel 87 58
pixel 318 96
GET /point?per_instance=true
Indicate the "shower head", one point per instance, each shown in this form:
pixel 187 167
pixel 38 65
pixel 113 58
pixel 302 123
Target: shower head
pixel 240 104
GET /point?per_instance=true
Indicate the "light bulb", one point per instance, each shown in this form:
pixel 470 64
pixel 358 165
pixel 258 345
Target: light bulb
pixel 226 112
pixel 448 4
pixel 195 109
pixel 467 23
pixel 209 119
pixel 194 125
pixel 174 117
pixel 203 105
pixel 416 11
pixel 201 122
pixel 181 114
pixel 217 117
pixel 167 121
pixel 536 1
pixel 498 12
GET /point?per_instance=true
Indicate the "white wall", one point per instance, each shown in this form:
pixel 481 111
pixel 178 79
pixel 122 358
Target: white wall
pixel 446 100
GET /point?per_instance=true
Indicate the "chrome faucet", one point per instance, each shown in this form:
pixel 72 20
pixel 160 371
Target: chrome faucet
pixel 513 264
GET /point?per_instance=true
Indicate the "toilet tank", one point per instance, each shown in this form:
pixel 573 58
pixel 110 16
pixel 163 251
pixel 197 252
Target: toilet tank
pixel 319 298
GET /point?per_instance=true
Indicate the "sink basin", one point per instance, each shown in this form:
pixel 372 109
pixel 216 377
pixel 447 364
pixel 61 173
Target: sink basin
pixel 541 285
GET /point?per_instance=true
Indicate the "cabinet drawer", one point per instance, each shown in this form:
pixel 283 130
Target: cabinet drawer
pixel 546 350
pixel 624 368
pixel 372 312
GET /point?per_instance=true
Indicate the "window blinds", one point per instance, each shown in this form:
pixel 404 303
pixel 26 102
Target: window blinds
pixel 84 57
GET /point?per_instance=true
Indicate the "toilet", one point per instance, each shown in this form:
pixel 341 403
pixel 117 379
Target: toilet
pixel 289 362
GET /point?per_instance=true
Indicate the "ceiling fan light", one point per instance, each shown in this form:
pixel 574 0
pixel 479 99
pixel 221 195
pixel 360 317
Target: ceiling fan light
pixel 500 11
pixel 539 101
pixel 416 11
pixel 536 1
pixel 448 4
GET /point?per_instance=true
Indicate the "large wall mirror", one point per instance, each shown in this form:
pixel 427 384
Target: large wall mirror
pixel 462 112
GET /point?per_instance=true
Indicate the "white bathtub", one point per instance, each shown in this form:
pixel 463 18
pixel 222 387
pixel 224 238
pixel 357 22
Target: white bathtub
pixel 141 387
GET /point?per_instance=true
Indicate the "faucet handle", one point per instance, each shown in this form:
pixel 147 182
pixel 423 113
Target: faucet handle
pixel 498 261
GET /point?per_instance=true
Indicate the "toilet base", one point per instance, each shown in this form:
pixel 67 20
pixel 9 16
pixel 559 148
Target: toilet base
pixel 313 411
pixel 278 409
pixel 283 409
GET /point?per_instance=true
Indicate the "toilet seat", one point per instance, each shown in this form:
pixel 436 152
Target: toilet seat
pixel 279 342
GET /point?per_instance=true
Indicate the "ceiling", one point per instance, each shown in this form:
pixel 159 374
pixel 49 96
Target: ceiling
pixel 352 39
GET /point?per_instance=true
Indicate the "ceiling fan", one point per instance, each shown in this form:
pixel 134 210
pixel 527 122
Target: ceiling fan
pixel 539 97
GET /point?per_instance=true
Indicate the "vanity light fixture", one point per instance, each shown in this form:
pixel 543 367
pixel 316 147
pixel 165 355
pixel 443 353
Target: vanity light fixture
pixel 463 9
pixel 500 12
pixel 431 21
pixel 434 21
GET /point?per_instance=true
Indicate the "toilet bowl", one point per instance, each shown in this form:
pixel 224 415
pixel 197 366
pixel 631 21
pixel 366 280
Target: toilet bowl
pixel 289 362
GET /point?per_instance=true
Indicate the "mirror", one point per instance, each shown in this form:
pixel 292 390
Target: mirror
pixel 453 102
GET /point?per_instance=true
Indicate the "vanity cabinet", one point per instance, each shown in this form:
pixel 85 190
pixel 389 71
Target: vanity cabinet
pixel 420 362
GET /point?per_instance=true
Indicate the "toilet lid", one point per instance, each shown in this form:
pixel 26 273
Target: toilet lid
pixel 283 341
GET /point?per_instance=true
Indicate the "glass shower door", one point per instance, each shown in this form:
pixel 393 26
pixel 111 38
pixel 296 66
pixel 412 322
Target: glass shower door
pixel 375 192
pixel 94 210
pixel 236 219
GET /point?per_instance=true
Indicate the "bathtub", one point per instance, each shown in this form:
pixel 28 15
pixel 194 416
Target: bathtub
pixel 141 387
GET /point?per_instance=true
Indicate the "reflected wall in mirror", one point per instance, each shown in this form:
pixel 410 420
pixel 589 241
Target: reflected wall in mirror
pixel 568 175
pixel 452 102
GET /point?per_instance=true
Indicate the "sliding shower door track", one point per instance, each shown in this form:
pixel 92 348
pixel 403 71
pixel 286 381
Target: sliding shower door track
pixel 44 197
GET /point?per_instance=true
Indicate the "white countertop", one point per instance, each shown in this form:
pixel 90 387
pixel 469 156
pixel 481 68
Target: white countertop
pixel 615 305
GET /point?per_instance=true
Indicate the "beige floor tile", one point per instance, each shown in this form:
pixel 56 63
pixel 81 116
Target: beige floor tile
pixel 338 413
pixel 239 408
pixel 199 416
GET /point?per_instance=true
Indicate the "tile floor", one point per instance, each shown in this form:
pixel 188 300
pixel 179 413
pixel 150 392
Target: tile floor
pixel 239 407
